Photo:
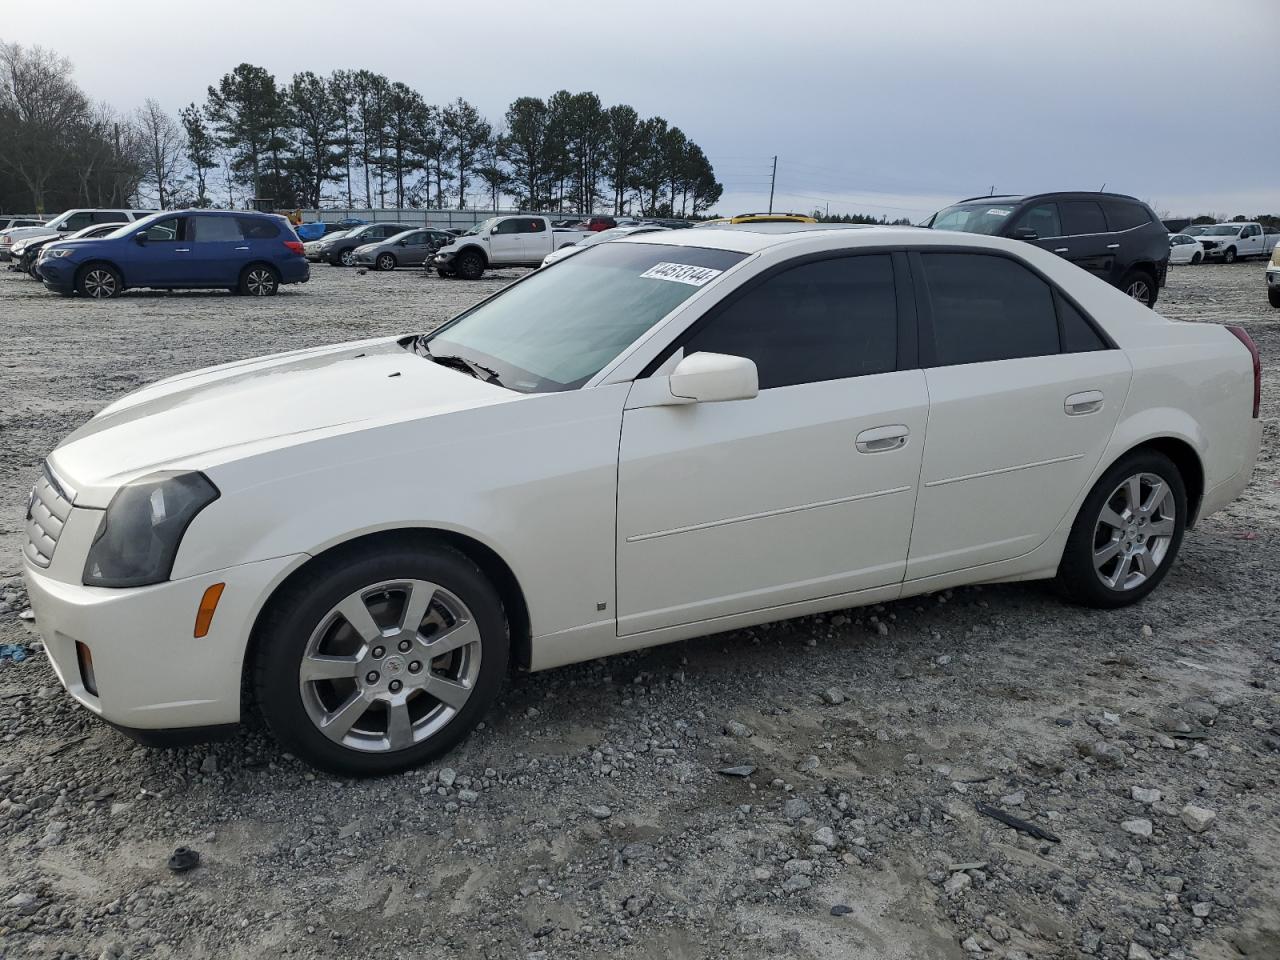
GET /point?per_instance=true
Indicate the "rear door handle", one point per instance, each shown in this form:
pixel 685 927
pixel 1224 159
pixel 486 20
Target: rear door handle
pixel 1061 250
pixel 882 439
pixel 1079 404
pixel 181 249
pixel 1113 246
pixel 242 248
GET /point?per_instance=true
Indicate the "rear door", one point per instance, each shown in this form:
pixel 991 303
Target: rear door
pixel 1024 394
pixel 1088 244
pixel 536 240
pixel 218 250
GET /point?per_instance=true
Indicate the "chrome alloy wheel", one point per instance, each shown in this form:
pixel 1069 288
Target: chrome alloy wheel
pixel 260 282
pixel 1133 532
pixel 100 284
pixel 390 665
pixel 1140 290
pixel 347 258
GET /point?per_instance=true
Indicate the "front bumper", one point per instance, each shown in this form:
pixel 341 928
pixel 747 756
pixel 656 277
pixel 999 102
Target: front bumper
pixel 150 672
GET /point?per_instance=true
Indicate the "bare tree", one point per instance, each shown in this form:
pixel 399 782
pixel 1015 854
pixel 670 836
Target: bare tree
pixel 164 144
pixel 39 106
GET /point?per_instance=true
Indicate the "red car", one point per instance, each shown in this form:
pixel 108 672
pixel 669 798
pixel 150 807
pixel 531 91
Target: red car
pixel 596 224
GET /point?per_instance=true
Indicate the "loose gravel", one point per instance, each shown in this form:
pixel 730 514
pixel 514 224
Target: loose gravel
pixel 820 788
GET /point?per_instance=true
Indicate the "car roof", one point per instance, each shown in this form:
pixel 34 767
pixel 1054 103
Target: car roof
pixel 1013 198
pixel 754 237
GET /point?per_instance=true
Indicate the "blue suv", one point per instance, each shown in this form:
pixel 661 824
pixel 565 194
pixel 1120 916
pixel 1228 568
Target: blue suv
pixel 249 253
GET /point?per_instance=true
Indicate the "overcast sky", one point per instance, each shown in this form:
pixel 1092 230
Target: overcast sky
pixel 881 107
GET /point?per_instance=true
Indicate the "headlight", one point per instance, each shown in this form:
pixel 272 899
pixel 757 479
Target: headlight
pixel 54 254
pixel 139 535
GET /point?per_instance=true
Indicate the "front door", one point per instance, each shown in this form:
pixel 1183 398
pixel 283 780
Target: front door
pixel 806 490
pixel 1024 396
pixel 162 257
pixel 506 243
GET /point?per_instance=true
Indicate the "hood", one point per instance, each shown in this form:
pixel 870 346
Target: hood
pixel 198 420
pixel 26 233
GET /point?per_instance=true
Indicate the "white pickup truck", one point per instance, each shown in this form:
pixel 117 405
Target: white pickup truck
pixel 514 241
pixel 1230 242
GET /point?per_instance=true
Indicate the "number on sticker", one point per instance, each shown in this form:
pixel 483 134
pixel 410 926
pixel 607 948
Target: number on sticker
pixel 681 273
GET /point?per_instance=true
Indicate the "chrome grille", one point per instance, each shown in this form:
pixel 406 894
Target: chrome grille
pixel 47 510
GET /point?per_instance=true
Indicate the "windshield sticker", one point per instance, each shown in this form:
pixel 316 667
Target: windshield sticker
pixel 681 273
pixel 997 212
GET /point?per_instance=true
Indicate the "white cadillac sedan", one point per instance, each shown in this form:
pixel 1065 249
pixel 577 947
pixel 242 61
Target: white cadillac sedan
pixel 663 436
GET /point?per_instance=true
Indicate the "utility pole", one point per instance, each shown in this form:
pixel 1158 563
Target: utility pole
pixel 772 179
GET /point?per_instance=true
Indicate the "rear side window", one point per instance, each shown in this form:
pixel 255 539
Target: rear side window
pixel 214 229
pixel 988 308
pixel 1125 215
pixel 825 320
pixel 257 228
pixel 536 225
pixel 1078 335
pixel 108 216
pixel 1080 217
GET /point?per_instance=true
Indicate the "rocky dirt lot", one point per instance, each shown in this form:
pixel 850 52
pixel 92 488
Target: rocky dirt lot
pixel 806 790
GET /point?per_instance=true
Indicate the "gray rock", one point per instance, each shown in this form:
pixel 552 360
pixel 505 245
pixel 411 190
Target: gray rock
pixel 795 866
pixel 636 904
pixel 1196 818
pixel 682 772
pixel 957 882
pixel 209 765
pixel 599 811
pixel 1201 909
pixel 796 883
pixel 1015 799
pixel 1145 795
pixel 742 770
pixel 448 776
pixel 25 903
pixel 1137 827
pixel 833 696
pixel 1107 755
pixel 736 729
pixel 1138 952
pixel 825 836
pixel 795 808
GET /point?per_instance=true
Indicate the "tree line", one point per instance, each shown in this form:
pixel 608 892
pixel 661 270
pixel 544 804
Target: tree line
pixel 354 138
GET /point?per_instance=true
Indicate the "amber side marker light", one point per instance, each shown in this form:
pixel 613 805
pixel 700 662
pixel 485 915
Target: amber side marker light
pixel 84 660
pixel 208 605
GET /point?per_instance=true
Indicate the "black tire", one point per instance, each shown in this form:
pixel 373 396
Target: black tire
pixel 259 280
pixel 347 258
pixel 1197 257
pixel 1273 297
pixel 385 261
pixel 1077 576
pixel 99 281
pixel 1141 286
pixel 442 273
pixel 469 265
pixel 298 610
pixel 1229 255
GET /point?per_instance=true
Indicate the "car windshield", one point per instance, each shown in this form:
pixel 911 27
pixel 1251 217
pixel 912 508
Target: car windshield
pixel 985 217
pixel 613 233
pixel 558 328
pixel 133 226
pixel 1223 230
pixel 482 227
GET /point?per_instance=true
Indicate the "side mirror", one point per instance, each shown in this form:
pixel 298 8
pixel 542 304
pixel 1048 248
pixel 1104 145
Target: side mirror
pixel 140 236
pixel 714 377
pixel 1025 233
pixel 404 243
pixel 493 229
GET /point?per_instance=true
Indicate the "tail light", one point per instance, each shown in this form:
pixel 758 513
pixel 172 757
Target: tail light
pixel 294 246
pixel 1239 334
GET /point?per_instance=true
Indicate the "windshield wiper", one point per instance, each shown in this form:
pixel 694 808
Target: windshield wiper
pixel 457 362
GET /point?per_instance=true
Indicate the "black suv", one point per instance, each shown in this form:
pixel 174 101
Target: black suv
pixel 1114 237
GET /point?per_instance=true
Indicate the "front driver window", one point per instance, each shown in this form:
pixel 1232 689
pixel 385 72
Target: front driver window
pixel 509 226
pixel 1043 219
pixel 825 320
pixel 163 230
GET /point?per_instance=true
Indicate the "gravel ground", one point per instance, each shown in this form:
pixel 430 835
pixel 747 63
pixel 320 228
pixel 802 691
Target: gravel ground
pixel 807 789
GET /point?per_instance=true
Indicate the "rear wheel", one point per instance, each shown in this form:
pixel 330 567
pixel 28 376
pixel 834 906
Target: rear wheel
pixel 470 265
pixel 259 280
pixel 381 659
pixel 99 281
pixel 1141 286
pixel 1127 534
pixel 443 274
pixel 385 261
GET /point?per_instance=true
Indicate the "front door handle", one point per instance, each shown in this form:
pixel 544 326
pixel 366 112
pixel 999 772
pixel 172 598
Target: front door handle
pixel 181 249
pixel 1060 250
pixel 242 248
pixel 1079 404
pixel 882 439
pixel 1113 246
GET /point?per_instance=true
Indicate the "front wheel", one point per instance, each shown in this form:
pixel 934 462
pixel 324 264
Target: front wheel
pixel 99 281
pixel 1127 533
pixel 347 258
pixel 1229 255
pixel 442 273
pixel 259 280
pixel 385 261
pixel 381 658
pixel 1197 257
pixel 1273 297
pixel 1140 286
pixel 470 265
